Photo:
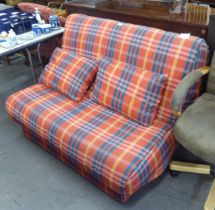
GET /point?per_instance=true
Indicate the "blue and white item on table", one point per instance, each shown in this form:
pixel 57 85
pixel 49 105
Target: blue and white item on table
pixel 45 28
pixel 18 27
pixel 54 21
pixel 15 13
pixel 32 19
pixel 13 18
pixel 36 30
pixel 1 28
pixel 12 38
pixel 7 26
pixel 3 15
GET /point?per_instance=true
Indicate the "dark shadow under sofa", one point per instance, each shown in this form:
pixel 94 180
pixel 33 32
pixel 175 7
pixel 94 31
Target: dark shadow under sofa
pixel 116 152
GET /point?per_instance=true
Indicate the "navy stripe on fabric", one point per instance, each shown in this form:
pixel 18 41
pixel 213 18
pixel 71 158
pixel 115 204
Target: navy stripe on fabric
pixel 80 78
pixel 148 95
pixel 189 59
pixel 91 35
pixel 113 39
pixel 84 130
pixel 135 45
pixel 145 172
pixel 107 148
pixel 22 103
pixel 61 68
pixel 153 90
pixel 122 86
pixel 103 64
pixel 57 123
pixel 75 32
pixel 162 51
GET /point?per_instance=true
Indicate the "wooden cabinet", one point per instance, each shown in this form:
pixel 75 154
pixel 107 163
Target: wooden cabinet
pixel 195 20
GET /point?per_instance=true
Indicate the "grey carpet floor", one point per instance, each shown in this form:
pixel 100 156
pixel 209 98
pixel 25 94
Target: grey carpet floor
pixel 32 179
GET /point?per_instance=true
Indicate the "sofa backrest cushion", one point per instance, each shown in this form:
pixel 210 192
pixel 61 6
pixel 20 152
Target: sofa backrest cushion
pixel 129 90
pixel 69 74
pixel 149 48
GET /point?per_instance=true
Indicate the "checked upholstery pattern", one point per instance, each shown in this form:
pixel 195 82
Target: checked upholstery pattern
pixel 69 74
pixel 129 90
pixel 112 151
pixel 149 48
pixel 117 154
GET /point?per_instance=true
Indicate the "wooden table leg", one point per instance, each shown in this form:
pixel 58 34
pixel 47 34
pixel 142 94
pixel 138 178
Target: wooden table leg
pixel 31 64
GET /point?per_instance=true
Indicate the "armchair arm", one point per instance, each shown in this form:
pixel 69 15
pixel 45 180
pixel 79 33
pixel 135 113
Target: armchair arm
pixel 182 89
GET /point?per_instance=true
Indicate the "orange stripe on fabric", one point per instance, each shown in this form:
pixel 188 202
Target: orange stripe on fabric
pixel 58 58
pixel 121 156
pixel 129 26
pixel 164 101
pixel 67 31
pixel 104 30
pixel 98 138
pixel 137 85
pixel 149 46
pixel 71 124
pixel 69 73
pixel 51 111
pixel 36 102
pixel 109 82
pixel 84 28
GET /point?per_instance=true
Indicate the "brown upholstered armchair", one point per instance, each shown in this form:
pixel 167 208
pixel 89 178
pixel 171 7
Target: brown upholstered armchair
pixel 195 127
pixel 47 47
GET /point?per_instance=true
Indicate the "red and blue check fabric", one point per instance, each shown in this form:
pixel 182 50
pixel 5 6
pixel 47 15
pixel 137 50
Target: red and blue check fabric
pixel 69 74
pixel 151 49
pixel 129 90
pixel 112 151
pixel 115 153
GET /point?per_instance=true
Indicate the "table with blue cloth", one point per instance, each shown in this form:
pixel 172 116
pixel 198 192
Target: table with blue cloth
pixel 20 22
pixel 6 8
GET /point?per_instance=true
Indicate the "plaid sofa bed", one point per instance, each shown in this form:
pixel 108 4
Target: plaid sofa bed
pixel 111 150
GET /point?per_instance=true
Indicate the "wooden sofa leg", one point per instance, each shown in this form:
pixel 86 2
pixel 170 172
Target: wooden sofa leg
pixel 189 167
pixel 210 202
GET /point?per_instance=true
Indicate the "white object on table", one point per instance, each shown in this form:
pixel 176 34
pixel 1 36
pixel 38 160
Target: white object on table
pixel 27 40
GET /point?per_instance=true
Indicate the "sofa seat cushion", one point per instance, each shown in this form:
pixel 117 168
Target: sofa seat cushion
pixel 129 90
pixel 111 150
pixel 69 74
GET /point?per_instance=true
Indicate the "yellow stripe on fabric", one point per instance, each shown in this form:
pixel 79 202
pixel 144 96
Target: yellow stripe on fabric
pixel 69 73
pixel 51 111
pixel 134 94
pixel 124 40
pixel 179 47
pixel 154 158
pixel 149 46
pixel 99 137
pixel 67 32
pixel 58 57
pixel 11 100
pixel 66 35
pixel 111 75
pixel 102 36
pixel 38 101
pixel 121 156
pixel 71 124
pixel 84 29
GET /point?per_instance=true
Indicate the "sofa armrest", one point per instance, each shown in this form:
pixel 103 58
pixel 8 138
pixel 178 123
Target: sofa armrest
pixel 183 88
